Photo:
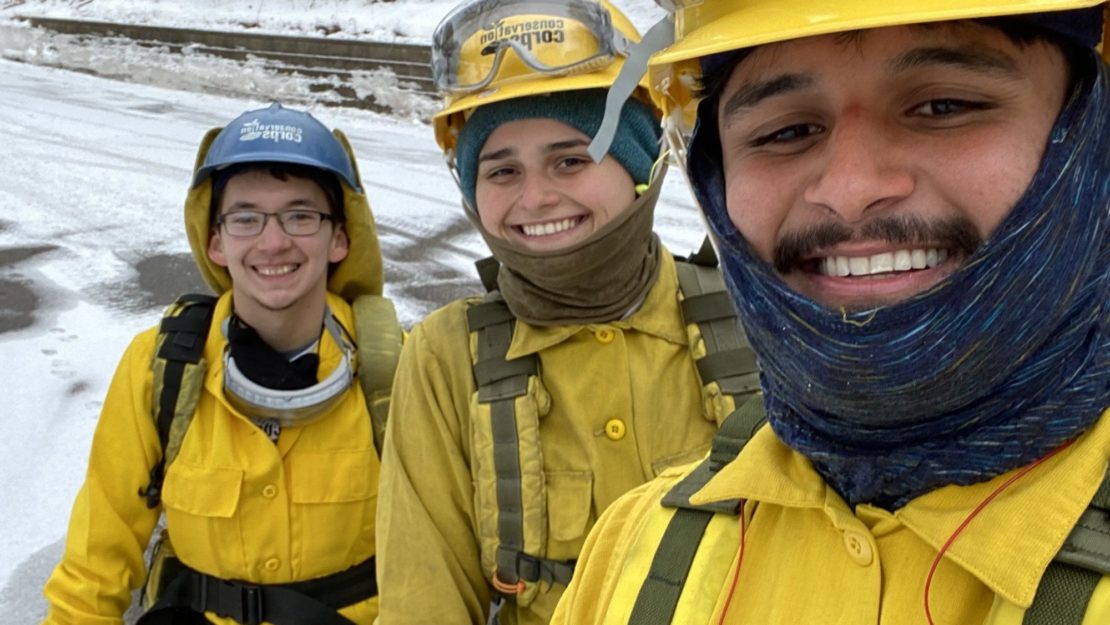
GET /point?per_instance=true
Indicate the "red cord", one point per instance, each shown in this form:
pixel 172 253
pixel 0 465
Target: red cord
pixel 974 513
pixel 739 563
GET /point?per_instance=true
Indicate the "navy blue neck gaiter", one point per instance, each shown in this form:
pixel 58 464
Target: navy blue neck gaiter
pixel 1000 363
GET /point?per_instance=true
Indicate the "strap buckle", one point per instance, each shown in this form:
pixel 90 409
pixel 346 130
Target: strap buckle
pixel 241 602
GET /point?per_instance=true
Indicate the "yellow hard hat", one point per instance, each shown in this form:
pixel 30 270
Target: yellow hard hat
pixel 706 27
pixel 487 51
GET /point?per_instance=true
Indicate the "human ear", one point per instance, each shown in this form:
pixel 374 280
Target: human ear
pixel 339 245
pixel 216 249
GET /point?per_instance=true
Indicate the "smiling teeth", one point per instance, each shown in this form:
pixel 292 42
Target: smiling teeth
pixel 276 271
pixel 887 262
pixel 551 227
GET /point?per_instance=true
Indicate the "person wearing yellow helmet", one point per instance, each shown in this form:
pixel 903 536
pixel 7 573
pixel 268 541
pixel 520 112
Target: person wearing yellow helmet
pixel 519 416
pixel 911 202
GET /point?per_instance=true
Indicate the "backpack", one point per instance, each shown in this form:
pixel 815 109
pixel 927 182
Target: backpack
pixel 510 391
pixel 179 369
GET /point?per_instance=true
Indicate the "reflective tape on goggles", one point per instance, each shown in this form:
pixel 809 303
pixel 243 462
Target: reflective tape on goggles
pixel 470 47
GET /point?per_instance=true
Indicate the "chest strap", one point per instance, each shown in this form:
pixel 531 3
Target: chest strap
pixel 500 382
pixel 315 601
pixel 658 598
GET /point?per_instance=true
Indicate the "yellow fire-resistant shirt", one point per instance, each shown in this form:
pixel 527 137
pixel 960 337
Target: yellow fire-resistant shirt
pixel 626 403
pixel 237 505
pixel 807 558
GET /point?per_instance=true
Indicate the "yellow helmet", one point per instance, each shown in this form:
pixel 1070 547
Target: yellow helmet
pixel 705 27
pixel 487 51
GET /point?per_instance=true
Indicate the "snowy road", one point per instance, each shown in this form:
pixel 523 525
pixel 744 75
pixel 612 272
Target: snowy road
pixel 91 247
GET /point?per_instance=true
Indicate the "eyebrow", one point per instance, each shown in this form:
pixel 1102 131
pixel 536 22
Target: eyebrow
pixel 292 205
pixel 752 94
pixel 960 58
pixel 969 59
pixel 551 147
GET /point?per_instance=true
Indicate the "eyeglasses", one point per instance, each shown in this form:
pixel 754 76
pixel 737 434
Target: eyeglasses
pixel 295 223
pixel 551 37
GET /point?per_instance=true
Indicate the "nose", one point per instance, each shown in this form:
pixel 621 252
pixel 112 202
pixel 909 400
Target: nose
pixel 860 173
pixel 272 236
pixel 538 192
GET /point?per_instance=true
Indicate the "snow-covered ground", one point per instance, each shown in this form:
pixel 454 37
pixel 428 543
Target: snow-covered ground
pixel 95 171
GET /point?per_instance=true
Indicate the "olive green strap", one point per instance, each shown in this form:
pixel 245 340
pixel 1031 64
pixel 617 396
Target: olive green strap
pixel 1088 545
pixel 729 360
pixel 658 598
pixel 379 338
pixel 500 382
pixel 1071 578
pixel 488 268
pixel 1062 596
pixel 737 429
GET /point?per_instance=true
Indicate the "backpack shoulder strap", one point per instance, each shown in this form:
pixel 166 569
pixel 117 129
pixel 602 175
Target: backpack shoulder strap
pixel 659 595
pixel 729 360
pixel 487 272
pixel 501 382
pixel 178 369
pixel 378 335
pixel 1071 578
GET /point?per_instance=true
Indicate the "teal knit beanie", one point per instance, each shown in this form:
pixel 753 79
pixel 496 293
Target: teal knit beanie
pixel 635 147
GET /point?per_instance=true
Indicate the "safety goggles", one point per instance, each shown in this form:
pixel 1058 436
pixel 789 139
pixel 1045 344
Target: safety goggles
pixel 470 47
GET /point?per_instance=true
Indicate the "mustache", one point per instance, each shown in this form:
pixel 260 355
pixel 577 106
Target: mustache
pixel 956 234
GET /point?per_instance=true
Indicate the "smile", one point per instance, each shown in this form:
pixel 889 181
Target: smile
pixel 885 262
pixel 276 270
pixel 550 227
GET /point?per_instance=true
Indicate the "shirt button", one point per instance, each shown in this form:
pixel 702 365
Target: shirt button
pixel 614 429
pixel 269 491
pixel 859 549
pixel 605 336
pixel 272 564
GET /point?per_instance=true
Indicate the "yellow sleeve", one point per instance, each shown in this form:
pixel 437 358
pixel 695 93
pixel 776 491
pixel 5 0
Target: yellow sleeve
pixel 429 565
pixel 110 525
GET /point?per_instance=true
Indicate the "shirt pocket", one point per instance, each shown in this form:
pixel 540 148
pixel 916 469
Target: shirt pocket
pixel 201 503
pixel 570 512
pixel 700 452
pixel 334 495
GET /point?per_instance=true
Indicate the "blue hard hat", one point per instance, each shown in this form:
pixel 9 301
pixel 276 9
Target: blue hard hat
pixel 278 135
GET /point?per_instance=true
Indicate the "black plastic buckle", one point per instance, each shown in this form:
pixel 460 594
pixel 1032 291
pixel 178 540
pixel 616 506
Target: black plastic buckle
pixel 241 602
pixel 252 605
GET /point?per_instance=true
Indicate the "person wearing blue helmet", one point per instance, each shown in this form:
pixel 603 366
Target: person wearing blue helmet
pixel 246 430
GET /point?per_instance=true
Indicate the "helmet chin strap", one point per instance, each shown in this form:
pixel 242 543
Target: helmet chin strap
pixel 296 407
pixel 658 37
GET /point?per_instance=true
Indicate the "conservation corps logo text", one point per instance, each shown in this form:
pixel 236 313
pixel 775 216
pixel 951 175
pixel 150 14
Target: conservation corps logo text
pixel 277 133
pixel 527 33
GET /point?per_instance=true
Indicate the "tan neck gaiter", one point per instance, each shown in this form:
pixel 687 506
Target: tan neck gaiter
pixel 596 280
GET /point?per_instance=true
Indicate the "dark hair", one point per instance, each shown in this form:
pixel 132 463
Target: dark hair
pixel 326 180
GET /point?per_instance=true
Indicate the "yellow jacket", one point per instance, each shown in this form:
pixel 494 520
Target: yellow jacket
pixel 625 403
pixel 237 505
pixel 807 558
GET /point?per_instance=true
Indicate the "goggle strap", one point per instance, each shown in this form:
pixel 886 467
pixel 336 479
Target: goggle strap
pixel 656 38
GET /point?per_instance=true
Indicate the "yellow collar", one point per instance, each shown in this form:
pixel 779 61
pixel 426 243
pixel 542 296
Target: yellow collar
pixel 659 316
pixel 1007 546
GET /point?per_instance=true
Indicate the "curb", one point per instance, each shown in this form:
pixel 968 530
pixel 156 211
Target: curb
pixel 310 56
